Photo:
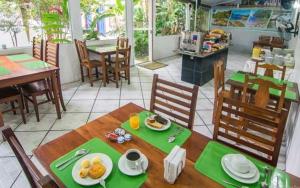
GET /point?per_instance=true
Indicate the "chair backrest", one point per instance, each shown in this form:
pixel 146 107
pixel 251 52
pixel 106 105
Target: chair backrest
pixel 34 176
pixel 52 53
pixel 122 42
pixel 269 69
pixel 253 130
pixel 219 77
pixel 262 93
pixel 123 55
pixel 37 48
pixel 174 100
pixel 82 52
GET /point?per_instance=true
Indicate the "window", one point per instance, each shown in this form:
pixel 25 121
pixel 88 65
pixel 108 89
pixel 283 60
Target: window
pixel 20 21
pixel 102 19
pixel 203 17
pixel 170 17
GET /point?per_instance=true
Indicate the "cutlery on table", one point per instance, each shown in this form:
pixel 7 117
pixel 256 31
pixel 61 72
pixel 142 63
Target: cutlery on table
pixel 232 184
pixel 80 153
pixel 102 183
pixel 172 138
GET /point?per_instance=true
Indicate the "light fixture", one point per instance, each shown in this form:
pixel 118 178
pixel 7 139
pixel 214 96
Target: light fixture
pixel 296 5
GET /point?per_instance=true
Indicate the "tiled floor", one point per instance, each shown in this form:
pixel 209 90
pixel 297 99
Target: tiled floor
pixel 85 103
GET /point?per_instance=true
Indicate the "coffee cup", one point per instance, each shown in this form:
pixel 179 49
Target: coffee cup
pixel 133 159
pixel 240 163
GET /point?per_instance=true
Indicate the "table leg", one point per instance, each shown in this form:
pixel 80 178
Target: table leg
pixel 55 93
pixel 104 71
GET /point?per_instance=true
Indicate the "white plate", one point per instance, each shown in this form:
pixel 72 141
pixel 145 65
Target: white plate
pixel 242 180
pixel 164 127
pixel 252 172
pixel 89 181
pixel 128 171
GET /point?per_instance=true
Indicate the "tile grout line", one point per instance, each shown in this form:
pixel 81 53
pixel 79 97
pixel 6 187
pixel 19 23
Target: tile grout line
pixel 95 100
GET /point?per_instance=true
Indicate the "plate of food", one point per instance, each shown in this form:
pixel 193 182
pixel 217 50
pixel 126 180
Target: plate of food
pixel 92 168
pixel 157 123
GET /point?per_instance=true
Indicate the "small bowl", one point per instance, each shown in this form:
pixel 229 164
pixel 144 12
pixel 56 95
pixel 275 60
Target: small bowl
pixel 240 164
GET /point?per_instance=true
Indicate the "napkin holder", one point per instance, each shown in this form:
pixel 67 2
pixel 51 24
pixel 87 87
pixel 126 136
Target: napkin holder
pixel 174 164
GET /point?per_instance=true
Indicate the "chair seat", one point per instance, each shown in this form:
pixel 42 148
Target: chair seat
pixel 34 87
pixel 8 92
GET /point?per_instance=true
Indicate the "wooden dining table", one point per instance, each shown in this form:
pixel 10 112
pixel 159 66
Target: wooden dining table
pixel 195 144
pixel 23 68
pixel 103 50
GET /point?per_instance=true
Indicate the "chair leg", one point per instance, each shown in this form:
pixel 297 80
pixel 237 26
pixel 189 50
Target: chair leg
pixel 61 96
pixel 82 75
pixel 104 78
pixel 128 75
pixel 21 109
pixel 117 79
pixel 36 109
pixel 26 105
pixel 50 90
pixel 13 107
pixel 97 72
pixel 90 76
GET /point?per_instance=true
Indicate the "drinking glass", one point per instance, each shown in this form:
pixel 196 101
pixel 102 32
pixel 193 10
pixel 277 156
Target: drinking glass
pixel 134 121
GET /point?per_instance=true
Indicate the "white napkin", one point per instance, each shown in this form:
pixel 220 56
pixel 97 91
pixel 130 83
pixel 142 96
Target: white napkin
pixel 174 164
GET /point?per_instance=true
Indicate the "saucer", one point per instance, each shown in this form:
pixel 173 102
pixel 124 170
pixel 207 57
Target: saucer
pixel 228 164
pixel 239 179
pixel 131 172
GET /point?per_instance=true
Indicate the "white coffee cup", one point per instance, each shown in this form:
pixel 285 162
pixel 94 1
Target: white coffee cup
pixel 133 159
pixel 240 163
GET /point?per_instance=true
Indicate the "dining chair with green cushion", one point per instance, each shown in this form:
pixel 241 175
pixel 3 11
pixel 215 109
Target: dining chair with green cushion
pixel 32 90
pixel 12 95
pixel 174 100
pixel 37 48
pixel 34 176
pixel 269 69
pixel 86 62
pixel 120 68
pixel 263 136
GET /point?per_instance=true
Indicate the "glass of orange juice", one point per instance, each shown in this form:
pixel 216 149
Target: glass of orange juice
pixel 134 121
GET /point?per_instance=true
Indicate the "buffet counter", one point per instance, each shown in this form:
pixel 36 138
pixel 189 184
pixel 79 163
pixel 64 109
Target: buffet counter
pixel 198 68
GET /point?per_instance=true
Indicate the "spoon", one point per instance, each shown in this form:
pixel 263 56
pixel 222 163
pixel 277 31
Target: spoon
pixel 172 138
pixel 77 153
pixel 102 183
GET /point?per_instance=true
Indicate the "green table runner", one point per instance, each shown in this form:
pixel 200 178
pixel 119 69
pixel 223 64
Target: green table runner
pixel 158 139
pixel 33 65
pixel 115 179
pixel 209 164
pixel 19 57
pixel 4 71
pixel 240 77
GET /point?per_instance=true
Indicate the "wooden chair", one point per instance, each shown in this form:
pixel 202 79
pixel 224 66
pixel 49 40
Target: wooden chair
pixel 120 67
pixel 44 87
pixel 85 61
pixel 34 176
pixel 219 83
pixel 37 48
pixel 269 69
pixel 122 42
pixel 174 100
pixel 12 95
pixel 261 97
pixel 263 136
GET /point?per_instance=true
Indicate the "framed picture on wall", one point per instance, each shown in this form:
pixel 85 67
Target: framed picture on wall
pixel 259 18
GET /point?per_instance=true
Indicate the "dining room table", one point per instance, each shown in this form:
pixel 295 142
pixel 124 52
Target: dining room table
pixel 103 50
pixel 50 153
pixel 19 69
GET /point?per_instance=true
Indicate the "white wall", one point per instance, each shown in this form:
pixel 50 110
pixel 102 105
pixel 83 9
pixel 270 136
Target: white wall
pixel 164 46
pixel 293 154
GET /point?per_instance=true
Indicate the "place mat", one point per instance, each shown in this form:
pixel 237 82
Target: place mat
pixel 153 65
pixel 240 77
pixel 4 71
pixel 209 164
pixel 19 57
pixel 96 145
pixel 158 139
pixel 34 65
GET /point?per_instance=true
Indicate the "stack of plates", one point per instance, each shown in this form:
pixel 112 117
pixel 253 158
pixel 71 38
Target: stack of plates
pixel 250 177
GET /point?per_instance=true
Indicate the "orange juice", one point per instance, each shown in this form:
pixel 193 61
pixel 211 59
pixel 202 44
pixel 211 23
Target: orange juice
pixel 134 121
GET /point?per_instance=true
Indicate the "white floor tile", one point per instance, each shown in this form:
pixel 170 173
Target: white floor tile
pixel 85 94
pixel 10 169
pixel 53 135
pixel 46 121
pixel 105 105
pixel 70 121
pixel 30 140
pixel 204 104
pixel 94 116
pixel 80 105
pixel 137 102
